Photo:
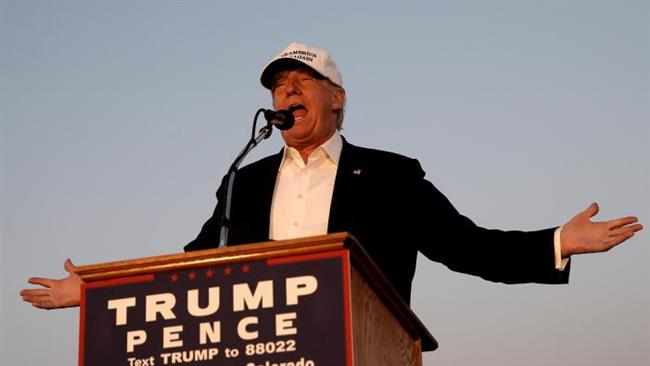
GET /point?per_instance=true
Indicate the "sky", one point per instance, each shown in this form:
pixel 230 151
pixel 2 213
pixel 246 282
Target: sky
pixel 118 119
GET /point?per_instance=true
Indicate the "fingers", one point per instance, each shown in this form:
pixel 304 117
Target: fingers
pixel 618 236
pixel 625 230
pixel 591 211
pixel 68 266
pixel 44 304
pixel 616 240
pixel 45 282
pixel 39 298
pixel 34 292
pixel 617 223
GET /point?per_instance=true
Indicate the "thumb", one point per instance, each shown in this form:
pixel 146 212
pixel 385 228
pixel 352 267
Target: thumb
pixel 68 266
pixel 591 211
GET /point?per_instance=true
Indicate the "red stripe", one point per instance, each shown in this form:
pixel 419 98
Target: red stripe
pixel 120 281
pixel 82 324
pixel 305 257
pixel 347 309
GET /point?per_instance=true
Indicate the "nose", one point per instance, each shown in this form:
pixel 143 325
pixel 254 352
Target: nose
pixel 292 86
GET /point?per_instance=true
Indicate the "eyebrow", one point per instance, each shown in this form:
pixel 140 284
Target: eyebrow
pixel 282 74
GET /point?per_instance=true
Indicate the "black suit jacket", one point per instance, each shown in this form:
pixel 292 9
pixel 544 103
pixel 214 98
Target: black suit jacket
pixel 383 199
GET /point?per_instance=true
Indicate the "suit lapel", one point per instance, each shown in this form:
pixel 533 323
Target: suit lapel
pixel 349 176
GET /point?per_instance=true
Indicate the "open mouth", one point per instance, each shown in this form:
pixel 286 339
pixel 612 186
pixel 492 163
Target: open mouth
pixel 298 111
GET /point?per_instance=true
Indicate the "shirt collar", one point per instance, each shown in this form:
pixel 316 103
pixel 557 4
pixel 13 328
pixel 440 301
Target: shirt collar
pixel 332 149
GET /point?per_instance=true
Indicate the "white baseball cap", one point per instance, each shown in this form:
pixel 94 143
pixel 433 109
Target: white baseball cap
pixel 315 58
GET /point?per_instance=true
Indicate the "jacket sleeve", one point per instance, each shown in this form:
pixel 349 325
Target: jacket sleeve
pixel 446 236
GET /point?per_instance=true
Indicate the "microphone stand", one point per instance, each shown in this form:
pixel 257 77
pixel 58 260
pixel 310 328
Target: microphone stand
pixel 264 133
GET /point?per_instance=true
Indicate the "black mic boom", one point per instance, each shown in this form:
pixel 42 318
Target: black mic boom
pixel 281 119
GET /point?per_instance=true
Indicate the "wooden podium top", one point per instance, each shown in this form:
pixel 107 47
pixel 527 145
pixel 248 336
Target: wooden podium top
pixel 265 250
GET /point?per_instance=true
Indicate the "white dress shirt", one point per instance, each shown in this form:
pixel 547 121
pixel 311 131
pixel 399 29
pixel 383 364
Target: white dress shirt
pixel 303 192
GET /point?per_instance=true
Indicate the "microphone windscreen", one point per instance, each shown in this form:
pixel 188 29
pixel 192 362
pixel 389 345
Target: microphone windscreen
pixel 281 119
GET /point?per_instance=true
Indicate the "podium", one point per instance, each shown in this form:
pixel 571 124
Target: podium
pixel 317 301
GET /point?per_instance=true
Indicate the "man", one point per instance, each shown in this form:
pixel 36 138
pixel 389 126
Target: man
pixel 321 183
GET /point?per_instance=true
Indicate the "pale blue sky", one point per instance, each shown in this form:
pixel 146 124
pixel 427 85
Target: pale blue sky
pixel 119 118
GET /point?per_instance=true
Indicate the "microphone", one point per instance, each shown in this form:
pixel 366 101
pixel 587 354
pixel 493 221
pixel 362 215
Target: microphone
pixel 282 119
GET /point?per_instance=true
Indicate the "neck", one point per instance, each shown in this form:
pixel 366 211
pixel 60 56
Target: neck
pixel 306 150
pixel 304 154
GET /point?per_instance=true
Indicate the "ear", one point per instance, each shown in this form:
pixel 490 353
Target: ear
pixel 338 99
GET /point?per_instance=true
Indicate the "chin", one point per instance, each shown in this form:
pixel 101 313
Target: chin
pixel 299 132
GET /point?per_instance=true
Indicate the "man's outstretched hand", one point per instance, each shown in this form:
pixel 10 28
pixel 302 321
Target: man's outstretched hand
pixel 62 293
pixel 581 235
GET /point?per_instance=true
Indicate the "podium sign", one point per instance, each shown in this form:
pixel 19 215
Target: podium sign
pixel 317 301
pixel 259 313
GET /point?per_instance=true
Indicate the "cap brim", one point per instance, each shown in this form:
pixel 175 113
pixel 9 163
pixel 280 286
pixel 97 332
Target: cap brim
pixel 281 64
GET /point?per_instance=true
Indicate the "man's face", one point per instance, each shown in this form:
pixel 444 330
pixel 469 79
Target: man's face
pixel 314 103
